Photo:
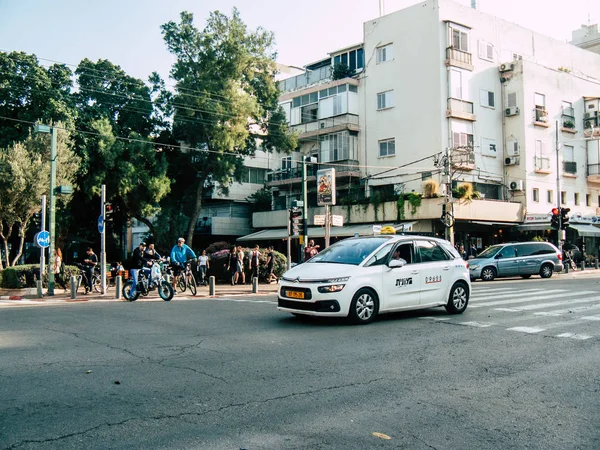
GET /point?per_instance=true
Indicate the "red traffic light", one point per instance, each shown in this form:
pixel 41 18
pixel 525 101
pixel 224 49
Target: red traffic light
pixel 555 212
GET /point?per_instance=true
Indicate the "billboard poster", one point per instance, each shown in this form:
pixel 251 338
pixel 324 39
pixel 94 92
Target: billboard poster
pixel 326 187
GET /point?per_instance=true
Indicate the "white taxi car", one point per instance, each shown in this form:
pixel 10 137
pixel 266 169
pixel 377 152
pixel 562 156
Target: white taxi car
pixel 362 277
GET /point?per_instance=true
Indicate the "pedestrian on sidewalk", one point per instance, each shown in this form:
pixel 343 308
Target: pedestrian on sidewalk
pixel 254 262
pixel 59 269
pixel 270 263
pixel 232 265
pixel 240 265
pixel 203 266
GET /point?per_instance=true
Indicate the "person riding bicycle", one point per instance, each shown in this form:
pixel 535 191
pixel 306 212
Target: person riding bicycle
pixel 90 263
pixel 179 256
pixel 137 262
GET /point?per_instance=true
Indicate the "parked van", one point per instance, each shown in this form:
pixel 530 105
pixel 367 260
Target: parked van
pixel 516 259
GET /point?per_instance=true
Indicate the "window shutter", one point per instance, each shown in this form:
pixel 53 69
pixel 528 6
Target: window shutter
pixel 511 100
pixel 490 52
pixel 456 139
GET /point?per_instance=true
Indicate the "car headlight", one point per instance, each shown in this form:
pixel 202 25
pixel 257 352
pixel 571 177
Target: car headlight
pixel 337 280
pixel 330 288
pixel 473 267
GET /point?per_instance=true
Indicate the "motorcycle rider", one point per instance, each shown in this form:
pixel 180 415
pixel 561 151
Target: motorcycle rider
pixel 137 262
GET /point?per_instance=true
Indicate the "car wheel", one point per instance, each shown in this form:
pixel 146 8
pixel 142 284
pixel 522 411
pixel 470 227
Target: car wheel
pixel 458 299
pixel 364 306
pixel 526 276
pixel 546 271
pixel 488 274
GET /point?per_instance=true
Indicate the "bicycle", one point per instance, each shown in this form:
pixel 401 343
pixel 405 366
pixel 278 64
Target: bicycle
pixel 82 278
pixel 185 279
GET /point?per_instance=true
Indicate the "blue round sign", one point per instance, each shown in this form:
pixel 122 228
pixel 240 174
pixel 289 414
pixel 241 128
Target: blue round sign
pixel 42 239
pixel 101 224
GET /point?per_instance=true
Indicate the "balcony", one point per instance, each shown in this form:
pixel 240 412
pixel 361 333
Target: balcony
pixel 309 130
pixel 540 118
pixel 569 168
pixel 344 170
pixel 305 79
pixel 460 109
pixel 542 164
pixel 463 160
pixel 591 125
pixel 459 58
pixel 593 173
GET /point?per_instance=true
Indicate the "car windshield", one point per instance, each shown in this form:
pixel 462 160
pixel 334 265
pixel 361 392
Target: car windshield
pixel 490 251
pixel 349 251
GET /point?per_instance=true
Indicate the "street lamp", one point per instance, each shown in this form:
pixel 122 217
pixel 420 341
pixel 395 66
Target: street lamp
pixel 52 200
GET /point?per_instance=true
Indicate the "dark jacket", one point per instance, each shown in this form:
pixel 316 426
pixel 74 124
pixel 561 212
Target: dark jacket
pixel 137 260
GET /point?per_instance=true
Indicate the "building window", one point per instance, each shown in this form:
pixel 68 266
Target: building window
pixel 486 98
pixel 385 100
pixel 588 200
pixel 576 198
pixel 309 113
pixel 456 84
pixel 536 195
pixel 460 39
pixel 486 51
pixel 540 108
pixel 550 196
pixel 286 163
pixel 563 197
pixel 384 53
pixel 462 140
pixel 569 164
pixel 517 56
pixel 254 175
pixel 387 148
pixel 340 146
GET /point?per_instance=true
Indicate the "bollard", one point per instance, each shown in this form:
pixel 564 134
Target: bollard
pixel 73 286
pixel 596 263
pixel 211 285
pixel 583 264
pixel 118 287
pixel 567 267
pixel 40 292
pixel 254 285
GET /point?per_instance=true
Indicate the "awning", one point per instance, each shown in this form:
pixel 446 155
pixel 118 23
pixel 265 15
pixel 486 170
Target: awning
pixel 585 230
pixel 496 224
pixel 535 226
pixel 319 232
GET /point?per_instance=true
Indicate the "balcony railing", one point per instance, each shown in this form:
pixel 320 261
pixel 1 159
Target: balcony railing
pixel 461 109
pixel 463 159
pixel 593 170
pixel 305 79
pixel 455 55
pixel 570 167
pixel 568 111
pixel 323 126
pixel 542 164
pixel 349 167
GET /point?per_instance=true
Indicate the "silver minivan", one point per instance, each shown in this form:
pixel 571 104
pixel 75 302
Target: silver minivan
pixel 516 259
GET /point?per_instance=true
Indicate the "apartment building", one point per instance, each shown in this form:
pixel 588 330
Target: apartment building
pixel 443 86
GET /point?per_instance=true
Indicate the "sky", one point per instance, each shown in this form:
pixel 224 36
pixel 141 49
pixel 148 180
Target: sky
pixel 127 32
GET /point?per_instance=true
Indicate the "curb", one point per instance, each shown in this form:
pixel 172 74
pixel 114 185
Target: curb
pixel 11 297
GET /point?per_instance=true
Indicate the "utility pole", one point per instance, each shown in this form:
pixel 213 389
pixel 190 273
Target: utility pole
pixel 560 232
pixel 304 207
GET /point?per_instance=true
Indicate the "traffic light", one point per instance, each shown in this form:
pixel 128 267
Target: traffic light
pixel 564 218
pixel 108 212
pixel 296 222
pixel 555 217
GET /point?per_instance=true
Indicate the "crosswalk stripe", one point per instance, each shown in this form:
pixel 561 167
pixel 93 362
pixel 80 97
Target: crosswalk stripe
pixel 476 324
pixel 527 299
pixel 561 312
pixel 545 305
pixel 529 330
pixel 519 293
pixel 581 337
pixel 439 319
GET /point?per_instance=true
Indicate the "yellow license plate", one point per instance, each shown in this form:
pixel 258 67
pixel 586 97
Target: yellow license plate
pixel 294 294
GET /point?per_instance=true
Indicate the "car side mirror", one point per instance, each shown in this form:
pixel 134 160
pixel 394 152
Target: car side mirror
pixel 395 263
pixel 498 256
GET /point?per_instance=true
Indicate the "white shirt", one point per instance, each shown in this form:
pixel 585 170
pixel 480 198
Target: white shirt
pixel 202 260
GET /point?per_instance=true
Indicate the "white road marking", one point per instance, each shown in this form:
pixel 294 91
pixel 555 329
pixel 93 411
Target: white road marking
pixel 440 319
pixel 561 312
pixel 512 293
pixel 545 305
pixel 529 299
pixel 476 324
pixel 527 329
pixel 581 337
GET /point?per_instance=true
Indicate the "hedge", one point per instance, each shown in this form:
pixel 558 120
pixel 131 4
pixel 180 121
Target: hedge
pixel 24 276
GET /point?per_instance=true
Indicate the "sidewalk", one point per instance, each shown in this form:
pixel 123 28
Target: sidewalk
pixel 221 290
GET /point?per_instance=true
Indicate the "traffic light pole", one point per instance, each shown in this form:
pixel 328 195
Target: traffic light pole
pixel 304 206
pixel 52 215
pixel 103 240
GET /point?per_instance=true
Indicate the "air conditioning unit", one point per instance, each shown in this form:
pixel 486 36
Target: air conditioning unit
pixel 506 67
pixel 587 115
pixel 512 111
pixel 516 185
pixel 512 161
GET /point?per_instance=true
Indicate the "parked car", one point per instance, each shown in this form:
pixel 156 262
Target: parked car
pixel 359 278
pixel 514 259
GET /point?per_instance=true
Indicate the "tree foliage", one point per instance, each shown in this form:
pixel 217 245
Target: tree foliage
pixel 225 103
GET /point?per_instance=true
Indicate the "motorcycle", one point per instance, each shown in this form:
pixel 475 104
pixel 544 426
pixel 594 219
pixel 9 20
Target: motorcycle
pixel 144 285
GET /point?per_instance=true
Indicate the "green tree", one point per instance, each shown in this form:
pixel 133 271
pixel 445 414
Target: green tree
pixel 225 103
pixel 340 71
pixel 31 93
pixel 24 178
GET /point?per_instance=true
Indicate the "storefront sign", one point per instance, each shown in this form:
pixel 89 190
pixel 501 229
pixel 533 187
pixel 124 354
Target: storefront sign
pixel 535 218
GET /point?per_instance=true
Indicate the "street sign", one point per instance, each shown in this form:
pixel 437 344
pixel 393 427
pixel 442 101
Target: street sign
pixel 337 221
pixel 319 220
pixel 101 224
pixel 42 239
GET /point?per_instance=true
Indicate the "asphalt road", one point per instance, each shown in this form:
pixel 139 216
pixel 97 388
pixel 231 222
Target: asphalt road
pixel 518 370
